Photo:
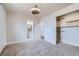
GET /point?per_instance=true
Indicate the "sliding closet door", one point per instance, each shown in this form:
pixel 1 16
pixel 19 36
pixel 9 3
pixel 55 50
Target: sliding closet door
pixel 71 35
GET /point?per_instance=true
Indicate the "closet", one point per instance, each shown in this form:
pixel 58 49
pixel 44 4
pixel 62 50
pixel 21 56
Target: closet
pixel 68 28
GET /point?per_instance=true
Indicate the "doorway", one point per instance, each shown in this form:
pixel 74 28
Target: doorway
pixel 29 30
pixel 58 29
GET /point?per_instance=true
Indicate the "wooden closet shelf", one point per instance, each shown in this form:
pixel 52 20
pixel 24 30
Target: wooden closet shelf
pixel 72 21
pixel 68 26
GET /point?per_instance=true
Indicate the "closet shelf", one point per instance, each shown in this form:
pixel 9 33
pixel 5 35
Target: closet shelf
pixel 68 26
pixel 72 21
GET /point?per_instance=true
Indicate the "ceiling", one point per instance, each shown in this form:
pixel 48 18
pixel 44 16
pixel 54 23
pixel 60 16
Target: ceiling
pixel 24 8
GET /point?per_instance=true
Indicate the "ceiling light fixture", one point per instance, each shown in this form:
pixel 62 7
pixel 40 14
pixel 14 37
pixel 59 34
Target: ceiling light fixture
pixel 35 10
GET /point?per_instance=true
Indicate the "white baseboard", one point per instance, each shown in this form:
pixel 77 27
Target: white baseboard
pixel 70 43
pixel 15 42
pixel 20 41
pixel 2 48
pixel 54 43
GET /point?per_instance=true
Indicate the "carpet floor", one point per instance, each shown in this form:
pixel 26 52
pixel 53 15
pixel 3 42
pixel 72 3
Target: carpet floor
pixel 39 48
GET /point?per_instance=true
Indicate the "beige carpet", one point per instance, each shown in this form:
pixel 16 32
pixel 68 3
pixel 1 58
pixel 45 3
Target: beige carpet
pixel 39 48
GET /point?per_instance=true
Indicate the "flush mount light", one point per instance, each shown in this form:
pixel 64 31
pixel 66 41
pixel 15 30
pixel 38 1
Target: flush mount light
pixel 35 10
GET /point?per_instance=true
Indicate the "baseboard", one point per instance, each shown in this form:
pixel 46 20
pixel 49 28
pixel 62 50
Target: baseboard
pixel 54 43
pixel 70 43
pixel 20 41
pixel 16 42
pixel 2 49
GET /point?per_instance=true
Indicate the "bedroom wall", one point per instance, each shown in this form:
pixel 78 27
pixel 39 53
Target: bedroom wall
pixel 2 27
pixel 16 28
pixel 49 28
pixel 37 29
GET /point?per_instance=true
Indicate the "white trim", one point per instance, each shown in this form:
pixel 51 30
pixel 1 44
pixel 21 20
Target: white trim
pixel 2 48
pixel 21 41
pixel 16 42
pixel 70 43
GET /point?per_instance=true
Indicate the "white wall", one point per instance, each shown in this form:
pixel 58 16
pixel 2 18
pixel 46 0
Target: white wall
pixel 2 27
pixel 49 28
pixel 37 29
pixel 16 28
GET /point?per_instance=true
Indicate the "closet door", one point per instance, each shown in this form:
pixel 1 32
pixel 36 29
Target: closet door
pixel 70 35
